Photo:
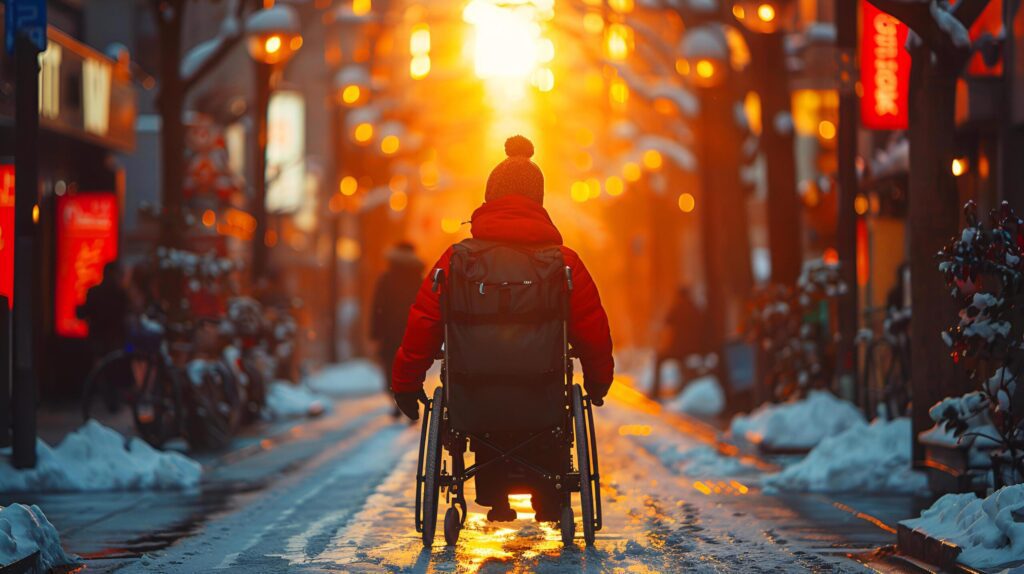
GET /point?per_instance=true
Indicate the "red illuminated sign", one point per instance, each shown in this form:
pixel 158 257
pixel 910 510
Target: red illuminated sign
pixel 884 70
pixel 86 241
pixel 7 232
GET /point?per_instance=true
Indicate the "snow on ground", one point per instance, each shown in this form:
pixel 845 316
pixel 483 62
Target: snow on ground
pixel 351 378
pixel 797 424
pixel 988 530
pixel 864 458
pixel 703 397
pixel 97 458
pixel 285 400
pixel 25 530
pixel 697 461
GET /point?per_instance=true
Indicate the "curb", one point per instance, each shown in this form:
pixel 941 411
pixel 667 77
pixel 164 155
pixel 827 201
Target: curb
pixel 920 546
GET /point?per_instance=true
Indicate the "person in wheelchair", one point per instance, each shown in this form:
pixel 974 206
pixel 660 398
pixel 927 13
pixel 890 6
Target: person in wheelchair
pixel 507 334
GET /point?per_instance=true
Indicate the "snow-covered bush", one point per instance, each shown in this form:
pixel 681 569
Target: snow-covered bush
pixel 987 530
pixel 97 458
pixel 863 458
pixel 788 324
pixel 983 269
pixel 25 530
pixel 798 424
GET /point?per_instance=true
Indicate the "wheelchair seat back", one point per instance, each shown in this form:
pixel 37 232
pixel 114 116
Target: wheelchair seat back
pixel 505 309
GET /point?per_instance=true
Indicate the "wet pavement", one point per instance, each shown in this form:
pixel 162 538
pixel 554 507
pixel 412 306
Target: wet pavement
pixel 336 495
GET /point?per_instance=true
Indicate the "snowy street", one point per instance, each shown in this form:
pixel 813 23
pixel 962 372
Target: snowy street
pixel 336 494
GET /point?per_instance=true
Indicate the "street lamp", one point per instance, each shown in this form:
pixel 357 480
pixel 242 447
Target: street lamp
pixel 274 35
pixel 704 60
pixel 763 16
pixel 704 56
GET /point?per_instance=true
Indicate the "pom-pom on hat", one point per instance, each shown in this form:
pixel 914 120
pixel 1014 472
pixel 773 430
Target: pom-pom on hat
pixel 517 175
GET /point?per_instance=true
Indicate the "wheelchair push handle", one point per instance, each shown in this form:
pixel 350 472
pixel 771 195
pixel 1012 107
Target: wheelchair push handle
pixel 437 278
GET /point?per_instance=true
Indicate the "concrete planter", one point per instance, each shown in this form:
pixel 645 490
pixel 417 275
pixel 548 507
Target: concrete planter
pixel 930 550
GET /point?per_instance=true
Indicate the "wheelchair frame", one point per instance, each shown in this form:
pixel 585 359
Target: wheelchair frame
pixel 437 435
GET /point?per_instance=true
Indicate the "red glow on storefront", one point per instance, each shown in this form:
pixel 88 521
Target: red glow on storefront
pixel 7 233
pixel 884 70
pixel 86 241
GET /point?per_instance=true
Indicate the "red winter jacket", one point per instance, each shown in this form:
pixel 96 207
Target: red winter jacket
pixel 512 219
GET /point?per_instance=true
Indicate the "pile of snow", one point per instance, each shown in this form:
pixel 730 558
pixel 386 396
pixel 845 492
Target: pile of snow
pixel 864 458
pixel 99 458
pixel 988 530
pixel 797 424
pixel 285 400
pixel 351 378
pixel 703 397
pixel 25 530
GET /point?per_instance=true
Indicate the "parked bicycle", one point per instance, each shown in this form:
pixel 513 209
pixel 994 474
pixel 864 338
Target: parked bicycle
pixel 885 378
pixel 171 391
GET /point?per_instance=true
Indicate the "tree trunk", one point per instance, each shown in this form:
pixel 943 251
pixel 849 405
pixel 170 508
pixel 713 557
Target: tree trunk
pixel 933 219
pixel 784 229
pixel 724 223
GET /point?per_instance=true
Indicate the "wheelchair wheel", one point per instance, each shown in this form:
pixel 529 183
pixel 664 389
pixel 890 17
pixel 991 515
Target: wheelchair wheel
pixel 568 525
pixel 430 467
pixel 587 493
pixel 452 526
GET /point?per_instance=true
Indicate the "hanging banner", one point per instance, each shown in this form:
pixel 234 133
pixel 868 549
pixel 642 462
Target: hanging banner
pixel 884 70
pixel 7 232
pixel 86 241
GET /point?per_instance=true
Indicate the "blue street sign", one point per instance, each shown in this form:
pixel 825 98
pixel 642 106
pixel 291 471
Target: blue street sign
pixel 25 17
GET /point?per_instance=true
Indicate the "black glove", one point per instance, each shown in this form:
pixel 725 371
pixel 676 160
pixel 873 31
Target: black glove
pixel 597 394
pixel 409 403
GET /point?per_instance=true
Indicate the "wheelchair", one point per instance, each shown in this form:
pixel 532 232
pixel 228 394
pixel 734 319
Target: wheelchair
pixel 552 413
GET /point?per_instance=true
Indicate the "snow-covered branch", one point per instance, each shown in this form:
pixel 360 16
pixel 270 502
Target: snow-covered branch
pixel 203 58
pixel 942 29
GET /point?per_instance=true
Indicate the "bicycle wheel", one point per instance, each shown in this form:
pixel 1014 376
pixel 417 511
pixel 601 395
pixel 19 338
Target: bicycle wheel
pixel 213 405
pixel 156 406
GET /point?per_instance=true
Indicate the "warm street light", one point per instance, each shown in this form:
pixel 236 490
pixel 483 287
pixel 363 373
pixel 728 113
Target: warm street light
pixel 762 16
pixel 352 83
pixel 348 186
pixel 687 202
pixel 274 34
pixel 959 166
pixel 704 56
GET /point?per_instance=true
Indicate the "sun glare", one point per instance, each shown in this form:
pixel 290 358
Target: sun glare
pixel 508 41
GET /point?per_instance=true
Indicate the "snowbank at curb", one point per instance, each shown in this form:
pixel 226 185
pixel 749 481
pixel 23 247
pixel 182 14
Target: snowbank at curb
pixel 96 458
pixel 797 424
pixel 864 458
pixel 351 378
pixel 703 398
pixel 985 529
pixel 285 400
pixel 25 530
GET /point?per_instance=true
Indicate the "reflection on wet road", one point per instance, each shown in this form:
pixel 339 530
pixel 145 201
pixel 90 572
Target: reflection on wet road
pixel 350 509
